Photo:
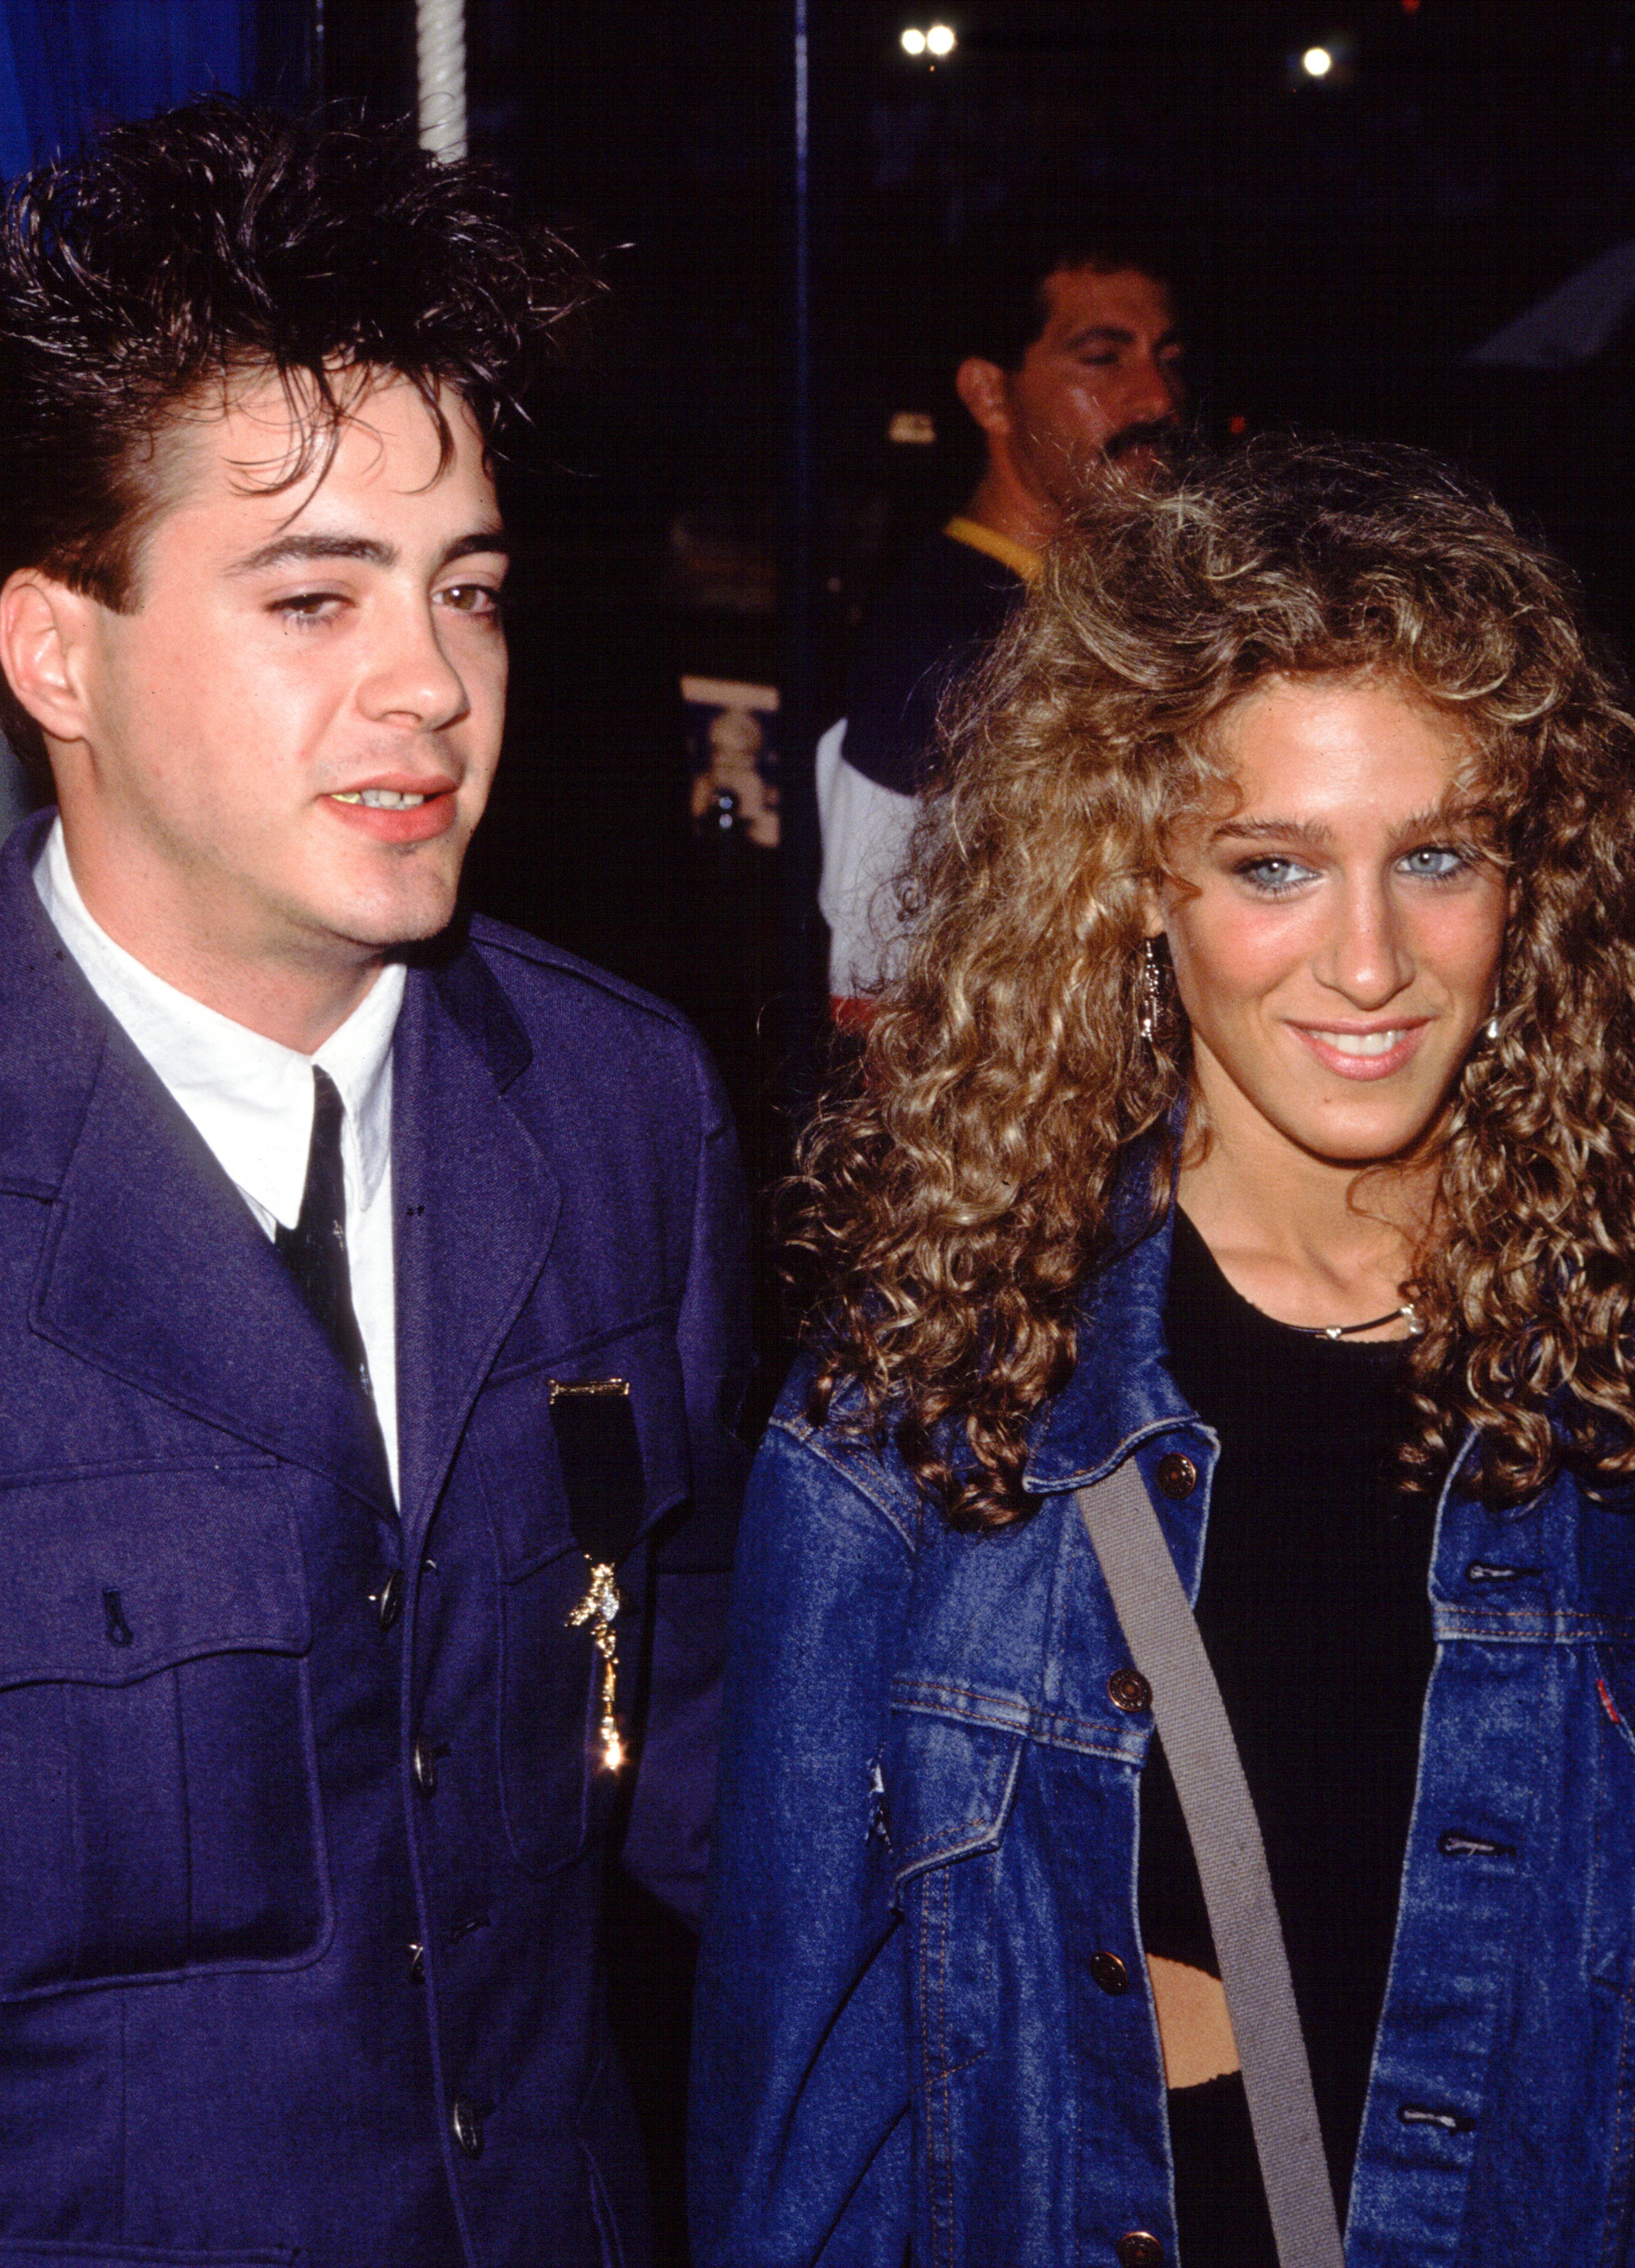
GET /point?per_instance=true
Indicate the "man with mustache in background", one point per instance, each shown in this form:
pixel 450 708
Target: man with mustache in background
pixel 1071 354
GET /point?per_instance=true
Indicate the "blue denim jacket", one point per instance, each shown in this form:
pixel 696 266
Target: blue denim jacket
pixel 928 1828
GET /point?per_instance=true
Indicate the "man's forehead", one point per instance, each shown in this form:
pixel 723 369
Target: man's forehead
pixel 1118 298
pixel 267 451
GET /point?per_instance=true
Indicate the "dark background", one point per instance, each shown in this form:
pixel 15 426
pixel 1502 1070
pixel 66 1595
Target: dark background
pixel 710 487
pixel 1343 246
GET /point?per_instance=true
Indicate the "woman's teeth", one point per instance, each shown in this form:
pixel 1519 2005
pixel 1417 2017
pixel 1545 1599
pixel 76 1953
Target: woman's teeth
pixel 1362 1043
pixel 379 799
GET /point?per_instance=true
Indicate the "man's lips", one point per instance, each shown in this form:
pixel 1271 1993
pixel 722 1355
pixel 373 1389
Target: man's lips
pixel 399 809
pixel 1364 1051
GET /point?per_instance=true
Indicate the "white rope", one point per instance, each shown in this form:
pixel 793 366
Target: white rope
pixel 440 53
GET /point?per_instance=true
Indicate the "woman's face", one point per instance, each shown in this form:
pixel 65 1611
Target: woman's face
pixel 1336 937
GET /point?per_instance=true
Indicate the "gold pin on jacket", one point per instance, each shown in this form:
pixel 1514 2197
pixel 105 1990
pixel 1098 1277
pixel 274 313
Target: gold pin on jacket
pixel 599 1608
pixel 602 1471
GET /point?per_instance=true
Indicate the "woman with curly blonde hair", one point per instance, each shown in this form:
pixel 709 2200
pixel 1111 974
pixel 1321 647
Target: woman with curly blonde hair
pixel 1252 1124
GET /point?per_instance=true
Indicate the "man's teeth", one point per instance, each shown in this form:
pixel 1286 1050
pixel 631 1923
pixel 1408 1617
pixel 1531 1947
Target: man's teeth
pixel 1363 1043
pixel 379 799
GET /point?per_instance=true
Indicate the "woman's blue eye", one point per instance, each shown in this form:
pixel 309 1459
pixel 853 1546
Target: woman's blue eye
pixel 1272 876
pixel 1435 862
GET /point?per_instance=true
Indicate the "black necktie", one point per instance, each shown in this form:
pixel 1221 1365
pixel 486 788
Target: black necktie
pixel 315 1248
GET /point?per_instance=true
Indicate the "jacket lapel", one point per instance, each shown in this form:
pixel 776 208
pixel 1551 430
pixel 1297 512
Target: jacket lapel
pixel 477 1209
pixel 156 1271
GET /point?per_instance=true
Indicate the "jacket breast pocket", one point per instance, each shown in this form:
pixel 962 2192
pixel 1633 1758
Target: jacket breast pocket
pixel 948 1786
pixel 158 1776
pixel 554 1789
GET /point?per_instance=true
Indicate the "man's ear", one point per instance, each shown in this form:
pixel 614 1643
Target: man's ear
pixel 42 626
pixel 981 386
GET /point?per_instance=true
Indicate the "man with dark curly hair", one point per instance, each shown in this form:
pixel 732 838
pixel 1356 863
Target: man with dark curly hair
pixel 370 1323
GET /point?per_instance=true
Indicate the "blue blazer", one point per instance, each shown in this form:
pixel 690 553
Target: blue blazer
pixel 300 1875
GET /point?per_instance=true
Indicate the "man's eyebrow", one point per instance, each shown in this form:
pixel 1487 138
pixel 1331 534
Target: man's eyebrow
pixel 300 549
pixel 1101 334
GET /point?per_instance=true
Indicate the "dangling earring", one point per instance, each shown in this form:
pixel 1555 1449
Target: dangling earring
pixel 1491 1029
pixel 1149 994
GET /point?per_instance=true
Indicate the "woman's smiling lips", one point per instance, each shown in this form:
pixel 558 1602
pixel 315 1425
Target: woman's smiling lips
pixel 1364 1051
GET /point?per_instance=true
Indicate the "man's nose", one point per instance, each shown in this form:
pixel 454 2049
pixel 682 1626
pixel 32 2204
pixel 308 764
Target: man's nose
pixel 411 680
pixel 1160 389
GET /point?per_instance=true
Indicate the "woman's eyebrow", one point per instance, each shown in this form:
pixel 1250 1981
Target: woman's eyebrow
pixel 1312 832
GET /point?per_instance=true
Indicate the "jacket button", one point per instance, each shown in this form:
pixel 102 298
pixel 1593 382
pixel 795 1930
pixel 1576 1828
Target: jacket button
pixel 388 1599
pixel 467 2123
pixel 1138 2250
pixel 423 1761
pixel 1129 1690
pixel 1176 1476
pixel 1109 1972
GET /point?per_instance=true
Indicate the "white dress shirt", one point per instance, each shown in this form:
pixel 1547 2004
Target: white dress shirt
pixel 251 1099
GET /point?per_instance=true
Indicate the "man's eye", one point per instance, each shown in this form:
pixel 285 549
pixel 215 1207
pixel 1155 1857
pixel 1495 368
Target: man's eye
pixel 307 605
pixel 472 598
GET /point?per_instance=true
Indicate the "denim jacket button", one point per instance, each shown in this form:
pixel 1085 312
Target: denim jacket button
pixel 1176 1476
pixel 1129 1690
pixel 1109 1972
pixel 1138 2250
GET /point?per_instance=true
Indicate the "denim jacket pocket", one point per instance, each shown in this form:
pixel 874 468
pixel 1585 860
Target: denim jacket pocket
pixel 157 1773
pixel 948 1786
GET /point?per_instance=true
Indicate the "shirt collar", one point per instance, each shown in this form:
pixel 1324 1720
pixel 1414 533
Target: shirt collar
pixel 250 1097
pixel 980 537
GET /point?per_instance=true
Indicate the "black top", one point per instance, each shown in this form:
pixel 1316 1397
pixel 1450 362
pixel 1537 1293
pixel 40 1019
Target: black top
pixel 935 621
pixel 1314 1612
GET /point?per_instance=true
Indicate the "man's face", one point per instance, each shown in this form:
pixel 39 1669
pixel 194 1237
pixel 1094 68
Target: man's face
pixel 287 744
pixel 1101 383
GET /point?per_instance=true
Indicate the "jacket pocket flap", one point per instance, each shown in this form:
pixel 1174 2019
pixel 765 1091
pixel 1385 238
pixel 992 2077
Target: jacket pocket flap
pixel 519 1446
pixel 948 1786
pixel 107 1577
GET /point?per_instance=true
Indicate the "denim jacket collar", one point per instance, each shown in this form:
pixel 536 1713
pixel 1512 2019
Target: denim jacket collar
pixel 1126 1393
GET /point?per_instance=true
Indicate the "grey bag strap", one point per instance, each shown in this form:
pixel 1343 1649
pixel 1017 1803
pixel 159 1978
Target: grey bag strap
pixel 1215 1801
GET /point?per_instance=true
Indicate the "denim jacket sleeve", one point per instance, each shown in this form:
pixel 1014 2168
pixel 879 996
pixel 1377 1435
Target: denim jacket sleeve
pixel 801 2085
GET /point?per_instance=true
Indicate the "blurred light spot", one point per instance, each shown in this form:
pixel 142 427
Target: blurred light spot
pixel 913 42
pixel 940 40
pixel 1316 63
pixel 1237 423
pixel 913 426
pixel 1410 7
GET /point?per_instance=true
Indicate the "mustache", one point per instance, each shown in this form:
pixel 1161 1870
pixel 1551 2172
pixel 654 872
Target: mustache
pixel 1158 433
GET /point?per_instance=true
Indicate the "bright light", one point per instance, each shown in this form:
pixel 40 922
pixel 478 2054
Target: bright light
pixel 913 42
pixel 1316 63
pixel 940 40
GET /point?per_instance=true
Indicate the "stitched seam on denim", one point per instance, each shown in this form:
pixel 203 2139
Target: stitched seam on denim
pixel 947 2168
pixel 930 1697
pixel 950 1839
pixel 805 1437
pixel 1617 2183
pixel 1536 1626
